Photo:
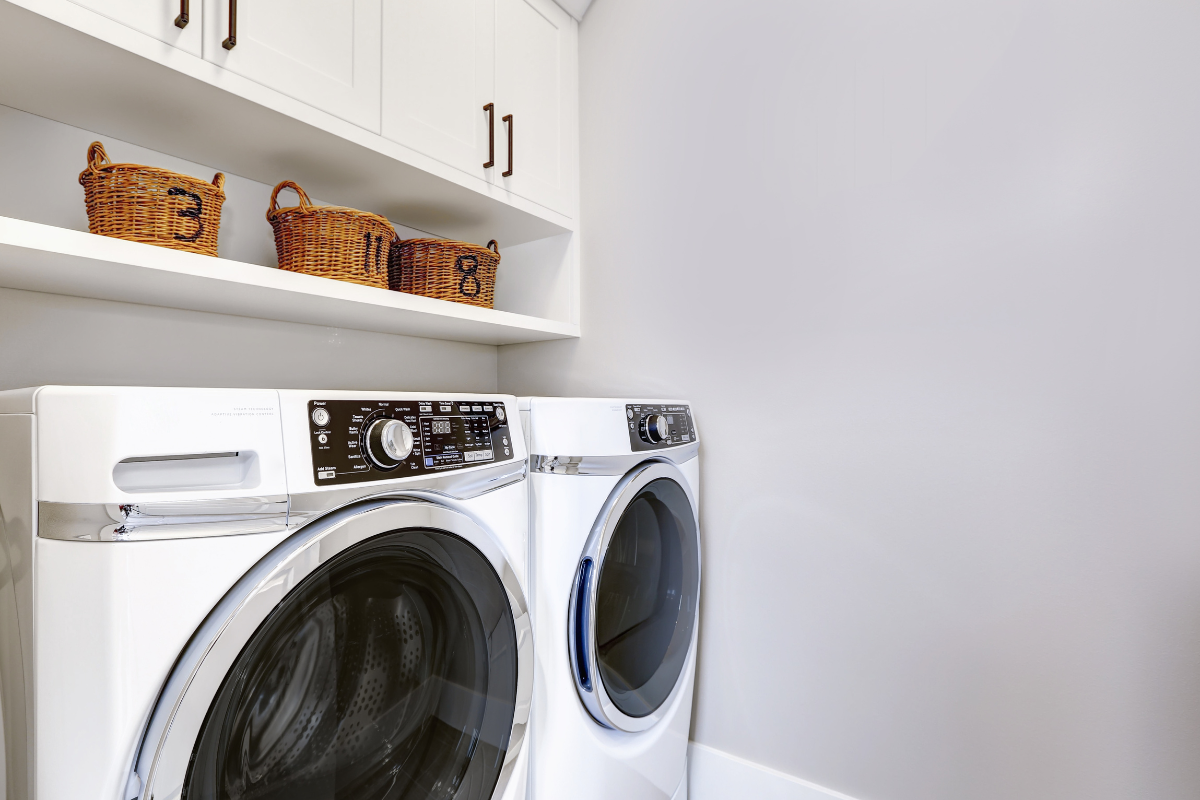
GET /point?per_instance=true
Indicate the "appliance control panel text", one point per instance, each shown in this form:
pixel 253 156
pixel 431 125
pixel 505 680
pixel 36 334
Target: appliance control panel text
pixel 655 426
pixel 374 440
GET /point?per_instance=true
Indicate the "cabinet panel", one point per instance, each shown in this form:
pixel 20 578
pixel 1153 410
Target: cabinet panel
pixel 535 82
pixel 437 76
pixel 322 52
pixel 154 18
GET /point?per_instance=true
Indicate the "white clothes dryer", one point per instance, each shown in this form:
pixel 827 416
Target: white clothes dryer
pixel 212 593
pixel 615 576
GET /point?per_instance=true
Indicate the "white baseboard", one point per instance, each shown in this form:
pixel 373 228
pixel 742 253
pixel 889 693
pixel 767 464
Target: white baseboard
pixel 714 775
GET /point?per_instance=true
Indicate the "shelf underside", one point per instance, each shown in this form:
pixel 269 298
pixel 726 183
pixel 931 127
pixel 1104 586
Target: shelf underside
pixel 43 258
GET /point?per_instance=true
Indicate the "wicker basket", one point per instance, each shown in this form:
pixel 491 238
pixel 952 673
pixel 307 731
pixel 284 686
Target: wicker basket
pixel 151 205
pixel 445 269
pixel 331 241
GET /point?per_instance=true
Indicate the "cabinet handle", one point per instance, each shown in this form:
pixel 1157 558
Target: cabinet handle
pixel 182 20
pixel 508 119
pixel 490 108
pixel 231 42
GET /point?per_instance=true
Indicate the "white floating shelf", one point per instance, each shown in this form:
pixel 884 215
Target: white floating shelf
pixel 43 258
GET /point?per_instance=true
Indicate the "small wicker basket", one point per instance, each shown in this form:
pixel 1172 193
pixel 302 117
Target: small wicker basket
pixel 331 241
pixel 445 269
pixel 151 205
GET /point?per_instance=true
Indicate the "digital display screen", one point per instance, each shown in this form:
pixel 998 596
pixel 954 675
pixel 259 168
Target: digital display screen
pixel 456 440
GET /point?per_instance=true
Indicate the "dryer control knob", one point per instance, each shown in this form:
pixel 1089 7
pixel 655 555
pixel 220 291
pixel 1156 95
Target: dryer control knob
pixel 389 441
pixel 654 428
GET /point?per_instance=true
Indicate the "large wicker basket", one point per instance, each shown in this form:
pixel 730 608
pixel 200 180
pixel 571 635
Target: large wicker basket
pixel 151 205
pixel 331 241
pixel 445 269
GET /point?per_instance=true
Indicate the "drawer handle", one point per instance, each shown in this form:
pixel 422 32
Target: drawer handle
pixel 490 108
pixel 508 118
pixel 182 20
pixel 231 42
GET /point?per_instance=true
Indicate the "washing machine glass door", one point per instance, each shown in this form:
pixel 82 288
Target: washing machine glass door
pixel 388 666
pixel 636 600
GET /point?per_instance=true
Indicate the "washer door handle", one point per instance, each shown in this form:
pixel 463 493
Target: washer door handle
pixel 579 621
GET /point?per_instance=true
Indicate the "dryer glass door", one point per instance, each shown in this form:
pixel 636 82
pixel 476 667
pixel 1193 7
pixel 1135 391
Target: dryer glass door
pixel 646 598
pixel 390 672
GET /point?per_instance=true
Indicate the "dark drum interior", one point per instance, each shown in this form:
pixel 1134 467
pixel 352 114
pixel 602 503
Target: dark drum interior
pixel 390 673
pixel 646 599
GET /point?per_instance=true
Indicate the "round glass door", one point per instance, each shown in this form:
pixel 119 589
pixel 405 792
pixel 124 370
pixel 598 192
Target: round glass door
pixel 389 673
pixel 647 598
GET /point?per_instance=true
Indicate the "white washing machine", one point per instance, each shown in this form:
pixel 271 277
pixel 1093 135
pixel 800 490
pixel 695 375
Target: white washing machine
pixel 211 593
pixel 615 560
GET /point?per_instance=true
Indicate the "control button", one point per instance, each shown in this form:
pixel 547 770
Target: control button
pixel 426 409
pixel 487 408
pixel 500 413
pixel 504 440
pixel 629 413
pixel 477 408
pixel 506 452
pixel 469 456
pixel 654 429
pixel 320 416
pixel 322 438
pixel 389 441
pixel 465 409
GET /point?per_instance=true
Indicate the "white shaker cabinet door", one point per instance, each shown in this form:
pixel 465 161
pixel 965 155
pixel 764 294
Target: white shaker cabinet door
pixel 155 18
pixel 438 68
pixel 536 43
pixel 322 52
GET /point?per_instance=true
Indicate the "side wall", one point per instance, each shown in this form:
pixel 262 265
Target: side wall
pixel 927 271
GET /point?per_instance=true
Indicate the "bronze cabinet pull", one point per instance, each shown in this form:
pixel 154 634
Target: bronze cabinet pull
pixel 182 20
pixel 490 108
pixel 508 118
pixel 231 42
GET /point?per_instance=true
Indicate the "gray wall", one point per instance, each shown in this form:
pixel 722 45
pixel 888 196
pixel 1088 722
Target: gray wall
pixel 57 339
pixel 928 272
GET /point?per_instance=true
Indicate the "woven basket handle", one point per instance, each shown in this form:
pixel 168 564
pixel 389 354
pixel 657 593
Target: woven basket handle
pixel 97 157
pixel 219 180
pixel 494 246
pixel 305 205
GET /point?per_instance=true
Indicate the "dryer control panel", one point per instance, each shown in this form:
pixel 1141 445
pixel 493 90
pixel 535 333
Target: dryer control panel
pixel 374 440
pixel 655 426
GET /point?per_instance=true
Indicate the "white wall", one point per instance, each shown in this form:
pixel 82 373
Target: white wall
pixel 928 272
pixel 57 339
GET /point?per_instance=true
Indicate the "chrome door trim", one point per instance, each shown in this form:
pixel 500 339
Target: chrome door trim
pixel 609 465
pixel 160 765
pixel 172 519
pixel 458 485
pixel 596 699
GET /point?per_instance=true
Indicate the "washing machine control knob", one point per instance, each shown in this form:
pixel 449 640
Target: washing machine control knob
pixel 654 428
pixel 389 441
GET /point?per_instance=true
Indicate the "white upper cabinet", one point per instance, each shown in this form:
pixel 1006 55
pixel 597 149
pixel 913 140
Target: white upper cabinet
pixel 445 60
pixel 438 74
pixel 155 18
pixel 322 52
pixel 536 43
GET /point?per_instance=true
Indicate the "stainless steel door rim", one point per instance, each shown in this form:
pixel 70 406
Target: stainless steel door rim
pixel 583 646
pixel 171 735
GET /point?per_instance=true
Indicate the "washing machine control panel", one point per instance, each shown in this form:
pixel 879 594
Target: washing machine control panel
pixel 375 440
pixel 655 426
